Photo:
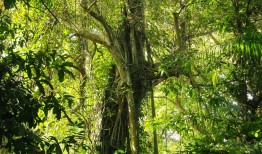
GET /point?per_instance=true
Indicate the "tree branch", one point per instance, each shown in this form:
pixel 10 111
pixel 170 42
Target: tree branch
pixel 189 37
pixel 101 20
pixel 93 37
pixel 177 29
pixel 214 39
pixel 50 11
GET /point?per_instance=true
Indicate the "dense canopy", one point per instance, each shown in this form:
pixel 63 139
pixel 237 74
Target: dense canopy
pixel 130 76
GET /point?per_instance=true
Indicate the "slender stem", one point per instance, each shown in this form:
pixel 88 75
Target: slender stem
pixel 50 11
pixel 153 116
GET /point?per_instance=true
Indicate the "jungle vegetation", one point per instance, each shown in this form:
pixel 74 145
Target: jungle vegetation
pixel 130 76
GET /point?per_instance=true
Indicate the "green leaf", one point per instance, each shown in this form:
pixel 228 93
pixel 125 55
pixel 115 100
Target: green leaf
pixel 46 109
pixel 29 72
pixel 51 148
pixel 57 112
pixel 119 151
pixel 40 86
pixel 215 78
pixel 69 99
pixel 69 64
pixel 37 71
pixel 69 73
pixel 61 75
pixel 58 149
pixel 256 133
pixel 67 148
pixel 47 82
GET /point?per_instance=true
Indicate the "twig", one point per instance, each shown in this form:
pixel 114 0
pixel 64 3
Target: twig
pixel 50 11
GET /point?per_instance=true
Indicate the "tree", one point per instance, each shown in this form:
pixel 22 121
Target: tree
pixel 150 44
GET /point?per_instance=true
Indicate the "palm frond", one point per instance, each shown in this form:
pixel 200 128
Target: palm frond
pixel 247 47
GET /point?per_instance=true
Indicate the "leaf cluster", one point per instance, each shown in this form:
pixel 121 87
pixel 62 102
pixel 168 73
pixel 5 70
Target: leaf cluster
pixel 26 88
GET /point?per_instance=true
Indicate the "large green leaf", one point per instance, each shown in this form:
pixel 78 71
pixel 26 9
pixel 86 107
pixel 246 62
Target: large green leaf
pixel 61 75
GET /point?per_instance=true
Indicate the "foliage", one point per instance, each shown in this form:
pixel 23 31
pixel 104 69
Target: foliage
pixel 64 68
pixel 26 89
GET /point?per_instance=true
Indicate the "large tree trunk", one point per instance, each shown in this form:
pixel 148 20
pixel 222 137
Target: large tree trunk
pixel 134 73
pixel 128 87
pixel 130 44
